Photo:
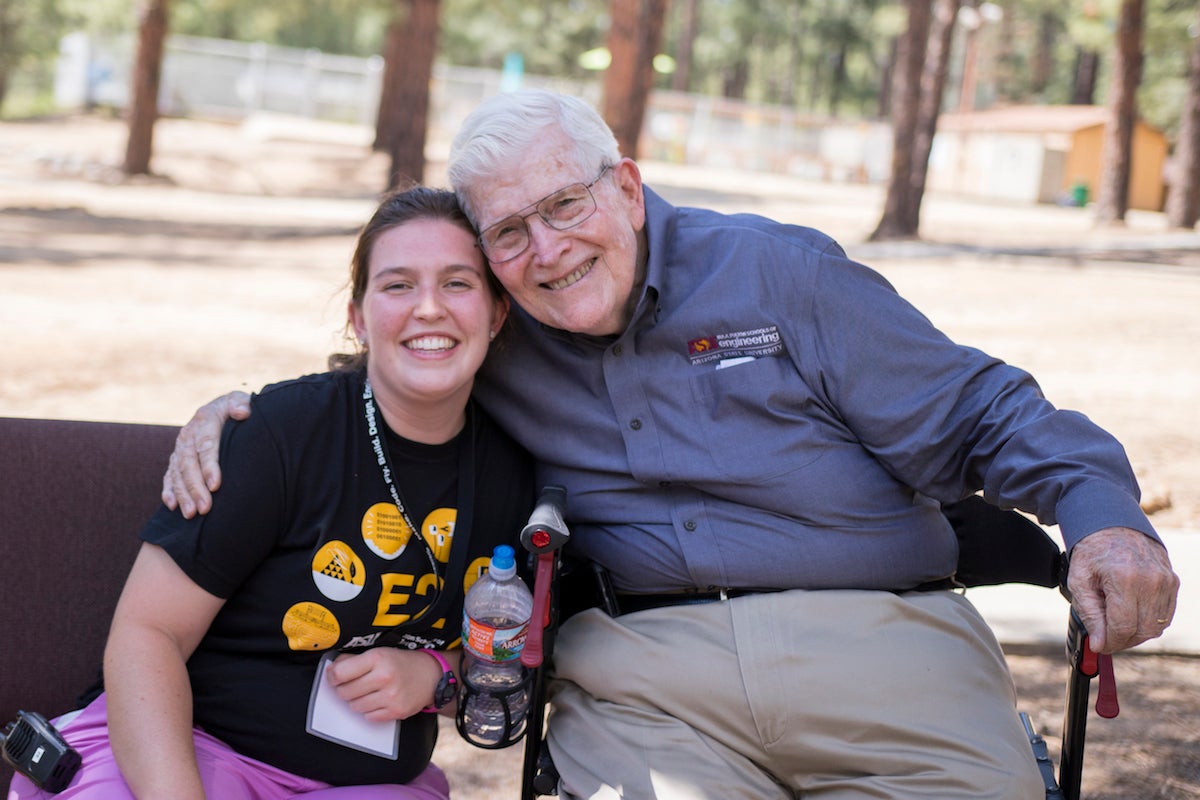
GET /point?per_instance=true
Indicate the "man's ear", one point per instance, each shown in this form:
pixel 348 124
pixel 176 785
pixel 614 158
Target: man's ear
pixel 628 179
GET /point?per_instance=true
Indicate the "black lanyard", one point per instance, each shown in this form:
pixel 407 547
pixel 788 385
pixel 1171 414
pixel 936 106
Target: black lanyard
pixel 460 542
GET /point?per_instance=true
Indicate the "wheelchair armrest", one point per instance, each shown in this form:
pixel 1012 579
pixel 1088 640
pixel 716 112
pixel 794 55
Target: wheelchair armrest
pixel 998 546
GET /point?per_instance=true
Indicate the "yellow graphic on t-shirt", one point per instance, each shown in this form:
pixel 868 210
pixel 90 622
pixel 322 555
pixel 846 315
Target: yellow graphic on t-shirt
pixel 385 531
pixel 438 529
pixel 338 571
pixel 475 571
pixel 310 626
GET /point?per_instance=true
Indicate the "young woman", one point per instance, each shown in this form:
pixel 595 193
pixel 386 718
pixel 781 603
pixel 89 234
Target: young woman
pixel 289 642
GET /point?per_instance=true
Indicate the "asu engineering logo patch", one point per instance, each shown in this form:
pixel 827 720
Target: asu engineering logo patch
pixel 748 344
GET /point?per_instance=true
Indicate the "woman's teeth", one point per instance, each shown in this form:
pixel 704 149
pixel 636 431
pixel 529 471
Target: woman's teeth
pixel 430 343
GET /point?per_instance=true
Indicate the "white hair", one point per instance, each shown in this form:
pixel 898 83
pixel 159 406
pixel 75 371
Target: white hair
pixel 506 125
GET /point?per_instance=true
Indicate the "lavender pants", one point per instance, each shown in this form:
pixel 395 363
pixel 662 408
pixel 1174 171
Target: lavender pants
pixel 227 774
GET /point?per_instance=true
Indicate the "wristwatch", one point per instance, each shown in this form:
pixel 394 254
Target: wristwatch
pixel 447 686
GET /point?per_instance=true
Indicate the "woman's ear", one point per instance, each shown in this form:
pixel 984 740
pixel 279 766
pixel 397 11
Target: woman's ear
pixel 502 307
pixel 357 323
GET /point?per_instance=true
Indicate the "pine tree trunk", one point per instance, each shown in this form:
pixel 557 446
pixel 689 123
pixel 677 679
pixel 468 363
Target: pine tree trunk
pixel 837 80
pixel 887 80
pixel 735 79
pixel 897 220
pixel 143 89
pixel 411 71
pixel 789 91
pixel 634 37
pixel 1112 197
pixel 393 60
pixel 933 86
pixel 1183 203
pixel 1042 68
pixel 688 28
pixel 1087 68
pixel 9 56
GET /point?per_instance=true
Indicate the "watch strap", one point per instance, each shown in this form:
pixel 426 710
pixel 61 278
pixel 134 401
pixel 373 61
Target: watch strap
pixel 446 688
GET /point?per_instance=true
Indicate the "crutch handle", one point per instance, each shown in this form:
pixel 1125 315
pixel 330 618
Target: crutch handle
pixel 531 654
pixel 546 530
pixel 544 535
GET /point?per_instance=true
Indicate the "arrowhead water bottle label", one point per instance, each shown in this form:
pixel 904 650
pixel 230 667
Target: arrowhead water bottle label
pixel 494 643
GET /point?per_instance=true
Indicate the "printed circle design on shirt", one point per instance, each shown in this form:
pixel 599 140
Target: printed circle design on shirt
pixel 310 626
pixel 338 572
pixel 438 529
pixel 385 531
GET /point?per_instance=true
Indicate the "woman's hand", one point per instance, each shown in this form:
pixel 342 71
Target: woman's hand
pixel 385 683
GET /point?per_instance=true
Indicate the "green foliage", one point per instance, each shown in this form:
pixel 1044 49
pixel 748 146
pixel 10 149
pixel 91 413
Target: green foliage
pixel 99 16
pixel 815 55
pixel 1171 28
pixel 28 42
pixel 549 35
pixel 807 53
pixel 1092 23
pixel 351 27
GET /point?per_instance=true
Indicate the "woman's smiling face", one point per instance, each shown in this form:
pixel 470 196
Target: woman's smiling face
pixel 428 314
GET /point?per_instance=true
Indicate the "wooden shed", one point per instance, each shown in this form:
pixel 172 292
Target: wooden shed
pixel 1040 154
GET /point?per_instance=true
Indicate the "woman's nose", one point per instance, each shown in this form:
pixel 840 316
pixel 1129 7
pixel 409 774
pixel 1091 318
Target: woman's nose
pixel 429 304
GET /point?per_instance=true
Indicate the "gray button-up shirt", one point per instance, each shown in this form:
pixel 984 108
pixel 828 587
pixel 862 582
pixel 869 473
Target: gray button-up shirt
pixel 776 416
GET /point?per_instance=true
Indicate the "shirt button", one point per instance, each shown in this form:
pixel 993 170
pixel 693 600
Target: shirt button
pixel 618 349
pixel 636 424
pixel 690 524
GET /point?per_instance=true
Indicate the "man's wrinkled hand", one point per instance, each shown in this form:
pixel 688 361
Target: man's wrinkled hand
pixel 193 472
pixel 1123 588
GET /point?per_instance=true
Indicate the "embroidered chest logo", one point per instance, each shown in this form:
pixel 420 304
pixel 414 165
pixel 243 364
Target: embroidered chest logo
pixel 735 347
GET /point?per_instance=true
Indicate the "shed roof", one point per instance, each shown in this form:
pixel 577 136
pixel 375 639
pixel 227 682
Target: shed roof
pixel 1027 119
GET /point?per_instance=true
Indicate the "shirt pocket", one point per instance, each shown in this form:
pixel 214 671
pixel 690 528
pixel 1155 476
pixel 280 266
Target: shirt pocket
pixel 758 420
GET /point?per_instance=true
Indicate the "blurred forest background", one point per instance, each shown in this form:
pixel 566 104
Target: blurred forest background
pixel 904 61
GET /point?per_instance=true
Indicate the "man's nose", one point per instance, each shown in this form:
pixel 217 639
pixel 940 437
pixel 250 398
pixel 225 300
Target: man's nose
pixel 545 242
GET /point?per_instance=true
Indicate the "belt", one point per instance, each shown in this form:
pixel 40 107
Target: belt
pixel 629 603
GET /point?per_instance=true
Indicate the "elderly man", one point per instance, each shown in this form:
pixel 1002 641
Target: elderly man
pixel 756 434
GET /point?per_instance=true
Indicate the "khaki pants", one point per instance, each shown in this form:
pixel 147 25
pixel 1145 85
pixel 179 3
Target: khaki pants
pixel 811 694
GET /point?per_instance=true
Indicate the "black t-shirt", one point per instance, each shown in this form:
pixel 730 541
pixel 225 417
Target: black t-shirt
pixel 305 542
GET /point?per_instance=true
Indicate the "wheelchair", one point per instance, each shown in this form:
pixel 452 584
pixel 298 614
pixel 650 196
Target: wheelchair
pixel 995 547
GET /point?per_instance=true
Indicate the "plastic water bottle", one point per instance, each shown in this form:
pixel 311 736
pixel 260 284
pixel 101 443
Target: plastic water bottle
pixel 495 624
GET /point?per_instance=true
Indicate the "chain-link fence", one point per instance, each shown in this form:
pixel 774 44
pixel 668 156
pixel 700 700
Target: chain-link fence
pixel 228 79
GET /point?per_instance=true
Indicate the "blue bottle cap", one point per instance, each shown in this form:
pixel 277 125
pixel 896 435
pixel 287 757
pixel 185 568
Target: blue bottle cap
pixel 503 557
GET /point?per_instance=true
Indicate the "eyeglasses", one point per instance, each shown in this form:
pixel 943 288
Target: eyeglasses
pixel 561 210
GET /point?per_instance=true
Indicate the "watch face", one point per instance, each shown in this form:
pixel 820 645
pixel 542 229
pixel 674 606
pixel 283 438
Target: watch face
pixel 446 689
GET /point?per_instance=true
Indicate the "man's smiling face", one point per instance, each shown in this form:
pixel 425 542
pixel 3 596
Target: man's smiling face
pixel 580 279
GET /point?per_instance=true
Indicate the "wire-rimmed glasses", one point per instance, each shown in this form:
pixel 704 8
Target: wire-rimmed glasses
pixel 563 209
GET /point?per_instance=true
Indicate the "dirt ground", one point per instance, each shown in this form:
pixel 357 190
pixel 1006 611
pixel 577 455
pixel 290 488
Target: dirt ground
pixel 137 300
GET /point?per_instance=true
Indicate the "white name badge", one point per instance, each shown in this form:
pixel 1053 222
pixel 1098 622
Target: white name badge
pixel 330 717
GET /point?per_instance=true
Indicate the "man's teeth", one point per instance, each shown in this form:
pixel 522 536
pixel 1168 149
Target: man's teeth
pixel 573 277
pixel 430 343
